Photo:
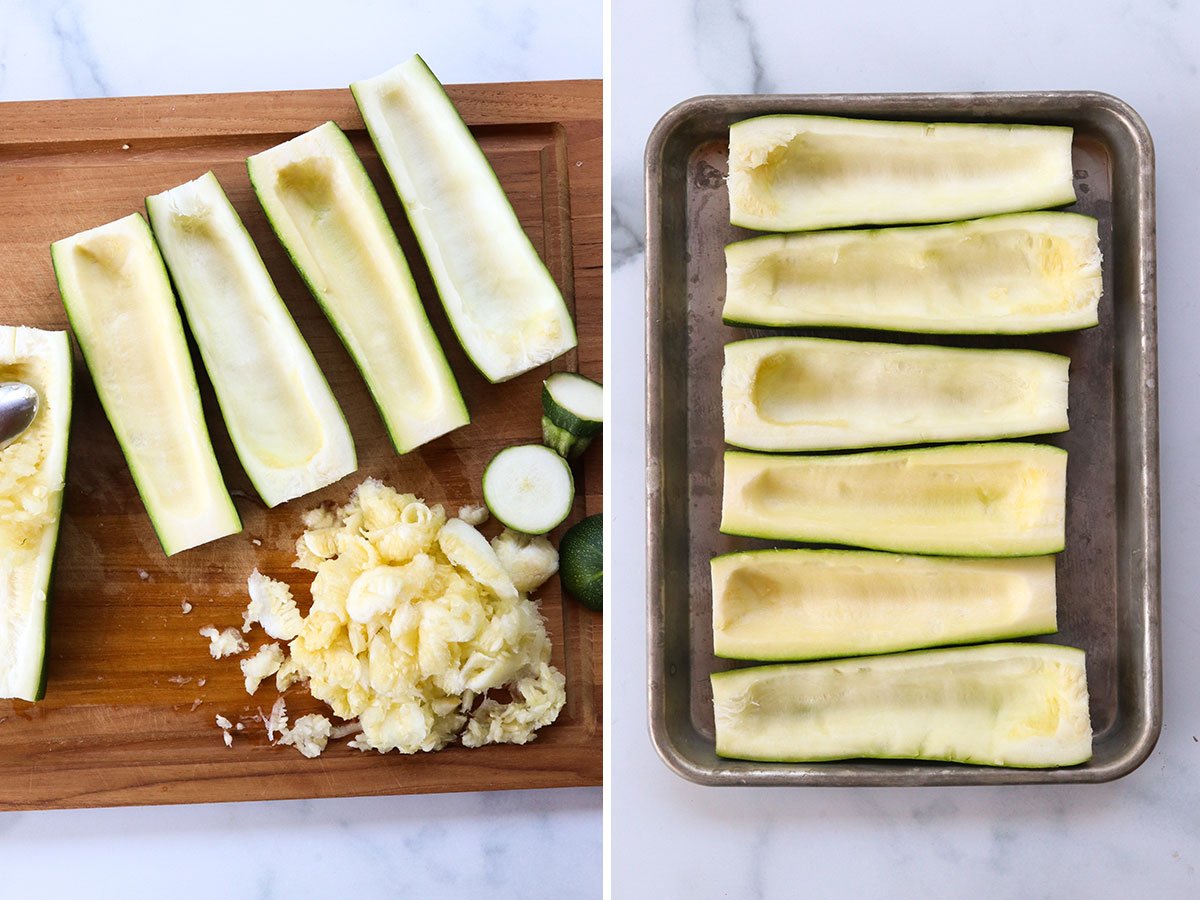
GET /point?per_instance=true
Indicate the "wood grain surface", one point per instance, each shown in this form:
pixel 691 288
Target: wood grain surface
pixel 129 711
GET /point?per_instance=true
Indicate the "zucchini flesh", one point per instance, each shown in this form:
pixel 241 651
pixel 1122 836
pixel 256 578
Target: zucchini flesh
pixel 323 207
pixel 123 313
pixel 1015 274
pixel 792 393
pixel 997 499
pixel 501 301
pixel 814 604
pixel 529 488
pixel 800 173
pixel 286 426
pixel 1020 705
pixel 32 470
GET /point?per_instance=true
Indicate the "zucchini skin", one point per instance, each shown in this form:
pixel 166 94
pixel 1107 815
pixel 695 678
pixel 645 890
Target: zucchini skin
pixel 43 678
pixel 880 326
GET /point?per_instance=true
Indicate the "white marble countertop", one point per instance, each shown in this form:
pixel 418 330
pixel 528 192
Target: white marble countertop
pixel 529 844
pixel 1138 837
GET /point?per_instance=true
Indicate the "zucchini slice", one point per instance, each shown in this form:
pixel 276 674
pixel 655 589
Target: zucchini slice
pixel 794 393
pixel 997 499
pixel 286 426
pixel 501 300
pixel 123 313
pixel 32 470
pixel 323 207
pixel 1016 274
pixel 800 173
pixel 1019 705
pixel 815 604
pixel 529 488
pixel 573 408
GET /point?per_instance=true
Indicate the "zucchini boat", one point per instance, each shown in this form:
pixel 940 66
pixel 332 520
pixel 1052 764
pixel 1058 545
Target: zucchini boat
pixel 123 313
pixel 286 426
pixel 815 604
pixel 1019 705
pixel 801 173
pixel 501 300
pixel 1015 274
pixel 323 207
pixel 997 499
pixel 794 393
pixel 32 470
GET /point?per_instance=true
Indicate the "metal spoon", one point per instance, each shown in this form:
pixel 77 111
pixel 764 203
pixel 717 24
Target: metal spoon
pixel 18 409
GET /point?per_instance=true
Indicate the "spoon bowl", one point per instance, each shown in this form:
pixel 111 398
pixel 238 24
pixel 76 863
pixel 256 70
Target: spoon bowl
pixel 18 408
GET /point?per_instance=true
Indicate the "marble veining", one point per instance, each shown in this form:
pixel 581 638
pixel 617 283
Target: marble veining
pixel 78 59
pixel 727 47
pixel 528 844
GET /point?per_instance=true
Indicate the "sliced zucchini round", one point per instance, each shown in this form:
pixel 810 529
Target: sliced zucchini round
pixel 573 409
pixel 529 488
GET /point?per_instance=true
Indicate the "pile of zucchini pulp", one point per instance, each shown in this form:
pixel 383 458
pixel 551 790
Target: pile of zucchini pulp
pixel 119 283
pixel 959 536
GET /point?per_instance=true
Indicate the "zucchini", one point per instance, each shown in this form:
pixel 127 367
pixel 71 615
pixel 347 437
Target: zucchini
pixel 286 426
pixel 814 604
pixel 501 300
pixel 121 308
pixel 794 393
pixel 997 499
pixel 1016 274
pixel 529 488
pixel 800 173
pixel 32 470
pixel 573 413
pixel 328 217
pixel 1019 705
pixel 581 561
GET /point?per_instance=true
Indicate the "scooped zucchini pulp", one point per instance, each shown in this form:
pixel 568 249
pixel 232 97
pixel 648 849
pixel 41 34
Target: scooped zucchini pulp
pixel 32 469
pixel 323 207
pixel 992 499
pixel 1023 705
pixel 501 300
pixel 814 604
pixel 287 427
pixel 798 173
pixel 1014 274
pixel 123 313
pixel 794 393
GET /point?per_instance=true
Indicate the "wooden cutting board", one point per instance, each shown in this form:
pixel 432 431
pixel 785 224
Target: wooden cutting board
pixel 129 711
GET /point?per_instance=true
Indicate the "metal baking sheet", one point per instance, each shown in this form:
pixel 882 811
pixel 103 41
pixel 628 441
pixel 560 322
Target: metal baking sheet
pixel 1108 575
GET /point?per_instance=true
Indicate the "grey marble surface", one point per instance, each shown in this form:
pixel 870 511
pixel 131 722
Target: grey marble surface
pixel 529 844
pixel 1138 837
